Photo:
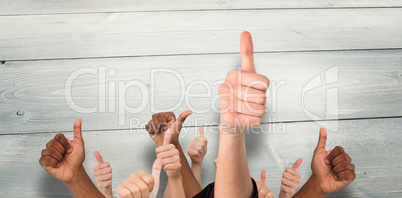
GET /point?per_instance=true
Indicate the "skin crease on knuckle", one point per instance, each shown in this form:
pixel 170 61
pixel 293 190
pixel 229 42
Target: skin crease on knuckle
pixel 340 158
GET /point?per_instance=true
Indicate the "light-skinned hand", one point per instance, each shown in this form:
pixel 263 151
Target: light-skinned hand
pixel 198 148
pixel 103 176
pixel 167 120
pixel 141 184
pixel 290 180
pixel 170 157
pixel 242 95
pixel 263 191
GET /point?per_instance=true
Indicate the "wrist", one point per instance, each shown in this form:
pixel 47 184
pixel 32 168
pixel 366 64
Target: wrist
pixel 81 185
pixel 311 189
pixel 175 178
pixel 232 131
pixel 316 186
pixel 196 164
pixel 78 175
pixel 80 180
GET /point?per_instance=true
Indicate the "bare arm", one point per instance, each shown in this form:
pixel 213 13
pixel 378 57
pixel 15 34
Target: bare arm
pixel 196 169
pixel 63 160
pixel 242 97
pixel 332 170
pixel 197 151
pixel 190 184
pixel 82 186
pixel 156 128
pixel 310 189
pixel 232 174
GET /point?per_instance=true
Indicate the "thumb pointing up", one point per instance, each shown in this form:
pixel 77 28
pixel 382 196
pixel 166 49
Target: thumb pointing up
pixel 263 176
pixel 247 52
pixel 297 163
pixel 322 140
pixel 167 138
pixel 77 130
pixel 202 132
pixel 98 157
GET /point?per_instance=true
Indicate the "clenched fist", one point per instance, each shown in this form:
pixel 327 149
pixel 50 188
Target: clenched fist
pixel 333 169
pixel 290 180
pixel 141 184
pixel 161 122
pixel 170 157
pixel 62 157
pixel 242 95
pixel 103 176
pixel 198 148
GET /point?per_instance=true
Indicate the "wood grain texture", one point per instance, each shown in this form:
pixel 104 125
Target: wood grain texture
pixel 58 6
pixel 33 92
pixel 272 147
pixel 195 32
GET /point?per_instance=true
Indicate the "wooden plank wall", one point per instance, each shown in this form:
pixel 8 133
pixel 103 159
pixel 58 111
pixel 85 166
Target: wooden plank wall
pixel 182 48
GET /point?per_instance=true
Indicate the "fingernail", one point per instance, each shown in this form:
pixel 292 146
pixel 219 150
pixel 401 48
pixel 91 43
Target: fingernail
pixel 326 161
pixel 336 177
pixel 69 150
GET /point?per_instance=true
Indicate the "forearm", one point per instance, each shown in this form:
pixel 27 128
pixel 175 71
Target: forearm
pixel 196 168
pixel 167 191
pixel 190 184
pixel 81 185
pixel 176 187
pixel 232 175
pixel 310 189
pixel 108 193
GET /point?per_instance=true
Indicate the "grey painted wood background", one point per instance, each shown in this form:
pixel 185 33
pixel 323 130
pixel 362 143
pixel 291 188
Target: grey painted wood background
pixel 352 48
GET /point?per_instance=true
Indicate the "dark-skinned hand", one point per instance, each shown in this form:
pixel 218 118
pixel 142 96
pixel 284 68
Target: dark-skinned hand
pixel 161 122
pixel 332 170
pixel 62 157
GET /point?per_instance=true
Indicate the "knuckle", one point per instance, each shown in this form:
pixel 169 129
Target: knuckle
pixel 232 74
pixel 133 175
pixel 345 157
pixel 222 89
pixel 59 136
pixel 353 167
pixel 297 175
pixel 266 80
pixel 50 143
pixel 339 149
pixel 143 188
pixel 141 172
pixel 52 151
pixel 136 190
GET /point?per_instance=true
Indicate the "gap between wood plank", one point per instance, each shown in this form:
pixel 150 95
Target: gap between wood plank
pixel 208 10
pixel 204 54
pixel 214 125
